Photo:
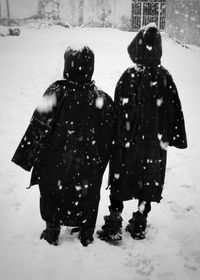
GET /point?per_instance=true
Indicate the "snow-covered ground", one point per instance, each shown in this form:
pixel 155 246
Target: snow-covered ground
pixel 171 251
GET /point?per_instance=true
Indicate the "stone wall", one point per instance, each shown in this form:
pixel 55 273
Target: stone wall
pixel 74 12
pixel 18 9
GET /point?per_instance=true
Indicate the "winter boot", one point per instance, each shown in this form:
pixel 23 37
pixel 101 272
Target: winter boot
pixel 86 236
pixel 137 226
pixel 51 233
pixel 111 230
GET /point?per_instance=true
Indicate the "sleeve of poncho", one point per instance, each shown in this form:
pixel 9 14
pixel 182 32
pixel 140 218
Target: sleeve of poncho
pixel 38 131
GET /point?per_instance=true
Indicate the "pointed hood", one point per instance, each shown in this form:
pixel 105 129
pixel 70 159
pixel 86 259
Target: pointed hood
pixel 78 64
pixel 146 47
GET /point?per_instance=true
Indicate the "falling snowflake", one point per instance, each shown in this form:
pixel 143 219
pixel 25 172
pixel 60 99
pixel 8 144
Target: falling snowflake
pixel 127 145
pixel 159 102
pixel 116 176
pixel 152 84
pixel 125 101
pixel 60 185
pixel 159 136
pixel 71 131
pixel 78 188
pixel 149 48
pixel 99 102
pixel 164 145
pixel 128 126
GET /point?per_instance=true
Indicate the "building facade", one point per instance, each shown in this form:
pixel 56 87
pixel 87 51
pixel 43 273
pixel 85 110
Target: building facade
pixel 180 18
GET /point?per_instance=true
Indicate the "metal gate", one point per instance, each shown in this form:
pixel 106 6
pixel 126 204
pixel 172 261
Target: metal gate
pixel 147 11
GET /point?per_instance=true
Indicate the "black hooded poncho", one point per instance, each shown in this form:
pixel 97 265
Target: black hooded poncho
pixel 148 113
pixel 68 143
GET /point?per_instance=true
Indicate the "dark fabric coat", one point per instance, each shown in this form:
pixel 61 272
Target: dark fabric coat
pixel 68 144
pixel 148 113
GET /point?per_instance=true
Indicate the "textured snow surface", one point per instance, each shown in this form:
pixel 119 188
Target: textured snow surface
pixel 171 251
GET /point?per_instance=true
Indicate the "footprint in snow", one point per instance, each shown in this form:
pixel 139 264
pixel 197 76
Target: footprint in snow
pixel 151 232
pixel 196 256
pixel 167 276
pixel 178 210
pixel 192 261
pixel 190 267
pixel 17 205
pixel 144 267
pixel 8 190
pixel 189 188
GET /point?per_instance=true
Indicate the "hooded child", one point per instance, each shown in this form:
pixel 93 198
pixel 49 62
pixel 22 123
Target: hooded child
pixel 149 119
pixel 67 145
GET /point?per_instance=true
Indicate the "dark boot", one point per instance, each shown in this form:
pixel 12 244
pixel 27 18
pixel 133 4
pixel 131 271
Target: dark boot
pixel 86 236
pixel 111 230
pixel 51 233
pixel 137 226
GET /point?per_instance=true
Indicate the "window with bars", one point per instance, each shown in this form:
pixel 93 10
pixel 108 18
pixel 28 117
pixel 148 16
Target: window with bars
pixel 147 11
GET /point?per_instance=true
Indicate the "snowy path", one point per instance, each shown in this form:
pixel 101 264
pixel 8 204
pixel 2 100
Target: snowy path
pixel 171 251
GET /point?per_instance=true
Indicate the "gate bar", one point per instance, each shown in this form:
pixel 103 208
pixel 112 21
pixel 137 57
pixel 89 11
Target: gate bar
pixel 159 14
pixel 142 14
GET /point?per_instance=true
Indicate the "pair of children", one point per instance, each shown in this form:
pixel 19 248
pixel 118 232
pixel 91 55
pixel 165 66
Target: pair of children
pixel 70 140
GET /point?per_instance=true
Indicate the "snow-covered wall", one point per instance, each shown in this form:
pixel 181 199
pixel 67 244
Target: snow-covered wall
pixel 19 9
pixel 75 12
pixel 116 12
pixel 183 20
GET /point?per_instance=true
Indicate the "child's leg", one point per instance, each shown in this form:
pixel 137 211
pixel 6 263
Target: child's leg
pixel 51 233
pixel 86 235
pixel 138 223
pixel 49 213
pixel 144 207
pixel 111 230
pixel 115 205
pixel 88 223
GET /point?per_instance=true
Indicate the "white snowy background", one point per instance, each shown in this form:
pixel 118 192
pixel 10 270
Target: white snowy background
pixel 171 251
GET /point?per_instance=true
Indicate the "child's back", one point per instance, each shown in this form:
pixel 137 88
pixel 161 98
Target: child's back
pixel 149 118
pixel 68 145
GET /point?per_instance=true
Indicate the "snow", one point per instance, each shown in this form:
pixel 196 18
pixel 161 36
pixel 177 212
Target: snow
pixel 149 48
pixel 47 103
pixel 77 47
pixel 159 102
pixel 171 251
pixel 164 145
pixel 150 25
pixel 116 176
pixel 127 145
pixel 125 101
pixel 99 102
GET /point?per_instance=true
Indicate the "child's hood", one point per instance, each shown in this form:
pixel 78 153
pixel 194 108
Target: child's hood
pixel 146 47
pixel 78 64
